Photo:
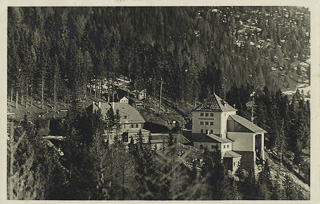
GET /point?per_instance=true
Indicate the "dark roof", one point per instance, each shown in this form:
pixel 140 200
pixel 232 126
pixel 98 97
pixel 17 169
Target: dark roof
pixel 163 137
pixel 231 154
pixel 132 115
pixel 246 123
pixel 215 103
pixel 201 137
pixel 219 139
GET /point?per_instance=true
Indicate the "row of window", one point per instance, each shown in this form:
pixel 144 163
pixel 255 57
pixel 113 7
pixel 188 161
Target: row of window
pixel 214 146
pixel 131 125
pixel 207 131
pixel 224 146
pixel 205 123
pixel 206 114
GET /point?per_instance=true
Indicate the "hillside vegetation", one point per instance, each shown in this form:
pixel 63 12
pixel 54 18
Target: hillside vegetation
pixel 62 59
pixel 53 53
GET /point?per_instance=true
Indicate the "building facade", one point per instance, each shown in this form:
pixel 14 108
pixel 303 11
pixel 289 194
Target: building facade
pixel 216 126
pixel 131 121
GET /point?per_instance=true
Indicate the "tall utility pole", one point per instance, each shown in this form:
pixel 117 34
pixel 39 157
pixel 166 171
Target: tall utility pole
pixel 161 83
pixel 253 103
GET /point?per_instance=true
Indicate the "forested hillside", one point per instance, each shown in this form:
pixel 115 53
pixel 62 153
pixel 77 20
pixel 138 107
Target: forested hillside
pixel 55 52
pixel 58 57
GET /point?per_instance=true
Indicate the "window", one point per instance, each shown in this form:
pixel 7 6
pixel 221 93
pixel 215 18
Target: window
pixel 131 125
pixel 201 122
pixel 227 146
pixel 137 125
pixel 211 131
pixel 201 146
pixel 201 131
pixel 211 123
pixel 125 117
pixel 207 114
pixel 211 114
pixel 207 123
pixel 224 146
pixel 213 146
pixel 201 114
pixel 234 163
pixel 207 131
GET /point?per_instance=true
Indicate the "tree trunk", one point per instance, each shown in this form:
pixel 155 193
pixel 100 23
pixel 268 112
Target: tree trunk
pixel 90 85
pixel 17 99
pixel 22 97
pixel 95 89
pixel 42 92
pixel 11 161
pixel 55 92
pixel 31 96
pixel 26 100
pixel 100 87
pixel 11 94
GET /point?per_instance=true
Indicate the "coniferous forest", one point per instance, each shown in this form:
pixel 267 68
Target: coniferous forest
pixel 242 54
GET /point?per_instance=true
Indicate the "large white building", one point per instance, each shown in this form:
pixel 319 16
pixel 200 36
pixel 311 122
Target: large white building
pixel 215 125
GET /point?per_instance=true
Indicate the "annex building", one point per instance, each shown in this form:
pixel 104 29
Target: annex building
pixel 131 121
pixel 216 126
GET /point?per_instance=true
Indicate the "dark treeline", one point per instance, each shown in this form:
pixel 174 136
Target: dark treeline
pixel 55 52
pixel 92 169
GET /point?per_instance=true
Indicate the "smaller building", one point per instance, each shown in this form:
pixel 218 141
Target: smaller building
pixel 124 100
pixel 131 121
pixel 133 134
pixel 140 94
pixel 215 143
pixel 232 160
pixel 158 140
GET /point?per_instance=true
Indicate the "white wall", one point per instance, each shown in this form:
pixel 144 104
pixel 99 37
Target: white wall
pixel 219 122
pixel 243 141
pixel 223 124
pixel 225 147
pixel 196 118
pixel 124 100
pixel 237 164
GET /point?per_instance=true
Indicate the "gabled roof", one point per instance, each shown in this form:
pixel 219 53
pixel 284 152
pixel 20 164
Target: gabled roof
pixel 128 114
pixel 215 103
pixel 247 124
pixel 201 137
pixel 231 154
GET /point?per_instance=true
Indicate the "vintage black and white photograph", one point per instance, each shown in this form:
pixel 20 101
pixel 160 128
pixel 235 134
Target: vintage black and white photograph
pixel 158 103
